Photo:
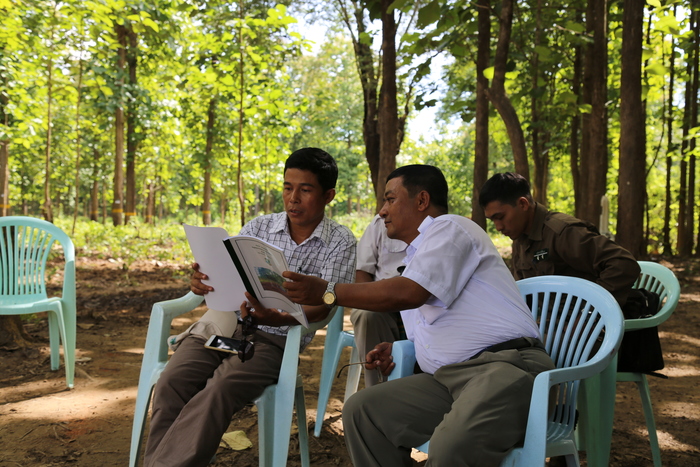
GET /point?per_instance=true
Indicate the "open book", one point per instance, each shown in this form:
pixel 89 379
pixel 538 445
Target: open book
pixel 238 264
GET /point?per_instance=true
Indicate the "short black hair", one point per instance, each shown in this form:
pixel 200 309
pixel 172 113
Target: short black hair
pixel 505 188
pixel 316 161
pixel 419 177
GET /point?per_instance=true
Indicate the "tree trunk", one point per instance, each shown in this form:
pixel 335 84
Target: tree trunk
pixel 118 205
pixel 95 201
pixel 239 175
pixel 368 79
pixel 690 215
pixel 95 190
pixel 12 333
pixel 4 177
pixel 131 119
pixel 47 211
pixel 594 158
pixel 667 248
pixel 574 135
pixel 206 196
pixel 481 144
pixel 4 148
pixel 631 181
pixel 151 202
pixel 539 157
pixel 79 90
pixel 497 92
pixel 388 110
pixel 685 240
pixel 223 206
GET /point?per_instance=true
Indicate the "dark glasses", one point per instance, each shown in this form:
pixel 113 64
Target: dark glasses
pixel 246 349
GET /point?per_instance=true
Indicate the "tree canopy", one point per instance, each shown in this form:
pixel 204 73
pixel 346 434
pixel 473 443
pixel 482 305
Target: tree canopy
pixel 121 110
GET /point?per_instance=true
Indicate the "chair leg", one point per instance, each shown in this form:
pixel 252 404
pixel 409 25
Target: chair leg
pixel 329 365
pixel 143 399
pixel 572 460
pixel 596 403
pixel 301 423
pixel 60 333
pixel 54 340
pixel 645 395
pixel 354 372
pixel 70 331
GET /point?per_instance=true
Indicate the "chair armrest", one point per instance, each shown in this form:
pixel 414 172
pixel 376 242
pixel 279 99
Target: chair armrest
pixel 659 279
pixel 334 317
pixel 162 315
pixel 290 362
pixel 404 354
pixel 650 322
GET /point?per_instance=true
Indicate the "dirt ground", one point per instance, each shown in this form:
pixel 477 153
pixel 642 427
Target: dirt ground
pixel 42 423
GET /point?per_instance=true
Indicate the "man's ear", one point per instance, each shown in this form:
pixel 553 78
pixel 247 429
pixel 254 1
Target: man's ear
pixel 523 203
pixel 329 196
pixel 423 200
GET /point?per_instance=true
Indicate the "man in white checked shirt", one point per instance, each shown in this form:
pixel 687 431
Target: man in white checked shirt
pixel 201 389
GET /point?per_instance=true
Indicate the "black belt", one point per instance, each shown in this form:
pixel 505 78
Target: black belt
pixel 513 344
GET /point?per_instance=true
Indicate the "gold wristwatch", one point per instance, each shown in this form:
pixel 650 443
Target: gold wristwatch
pixel 329 295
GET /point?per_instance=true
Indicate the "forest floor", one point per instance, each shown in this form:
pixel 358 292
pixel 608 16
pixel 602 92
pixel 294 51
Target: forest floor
pixel 42 423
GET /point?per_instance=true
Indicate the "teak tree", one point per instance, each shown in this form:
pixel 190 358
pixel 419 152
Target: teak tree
pixel 631 182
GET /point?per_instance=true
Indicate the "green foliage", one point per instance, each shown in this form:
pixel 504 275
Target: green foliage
pixel 129 243
pixel 250 63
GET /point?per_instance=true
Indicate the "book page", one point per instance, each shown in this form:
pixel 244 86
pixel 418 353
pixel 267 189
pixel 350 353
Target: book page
pixel 210 252
pixel 262 265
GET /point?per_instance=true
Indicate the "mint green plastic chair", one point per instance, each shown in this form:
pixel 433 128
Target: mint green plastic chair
pixel 654 278
pixel 573 315
pixel 336 341
pixel 275 405
pixel 597 404
pixel 25 245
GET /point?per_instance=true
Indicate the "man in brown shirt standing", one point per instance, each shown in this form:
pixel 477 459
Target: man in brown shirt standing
pixel 552 243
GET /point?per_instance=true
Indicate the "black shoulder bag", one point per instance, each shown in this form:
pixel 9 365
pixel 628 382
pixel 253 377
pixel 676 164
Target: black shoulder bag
pixel 640 351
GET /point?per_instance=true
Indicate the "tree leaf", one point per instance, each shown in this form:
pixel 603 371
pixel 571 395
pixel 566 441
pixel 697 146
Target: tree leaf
pixel 429 14
pixel 151 24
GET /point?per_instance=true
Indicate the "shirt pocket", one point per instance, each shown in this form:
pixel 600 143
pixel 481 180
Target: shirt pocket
pixel 431 313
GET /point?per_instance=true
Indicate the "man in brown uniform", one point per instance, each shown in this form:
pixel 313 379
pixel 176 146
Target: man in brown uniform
pixel 552 243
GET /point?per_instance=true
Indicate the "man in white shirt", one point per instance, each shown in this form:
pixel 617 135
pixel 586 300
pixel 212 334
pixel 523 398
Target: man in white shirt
pixel 476 341
pixel 378 257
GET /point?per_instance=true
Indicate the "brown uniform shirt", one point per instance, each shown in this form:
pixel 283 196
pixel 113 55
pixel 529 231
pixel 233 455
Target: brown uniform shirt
pixel 559 244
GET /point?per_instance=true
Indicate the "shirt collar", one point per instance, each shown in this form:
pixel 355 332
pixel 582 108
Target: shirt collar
pixel 535 232
pixel 422 228
pixel 322 231
pixel 279 223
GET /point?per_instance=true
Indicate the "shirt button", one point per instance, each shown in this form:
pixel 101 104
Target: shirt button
pixel 427 346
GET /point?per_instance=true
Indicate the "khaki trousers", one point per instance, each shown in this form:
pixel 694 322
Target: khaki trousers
pixel 472 412
pixel 198 393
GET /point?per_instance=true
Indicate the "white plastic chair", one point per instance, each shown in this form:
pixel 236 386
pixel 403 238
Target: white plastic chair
pixel 573 315
pixel 336 341
pixel 275 405
pixel 25 244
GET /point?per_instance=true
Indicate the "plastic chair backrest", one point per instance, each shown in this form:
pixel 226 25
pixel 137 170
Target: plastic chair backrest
pixel 581 326
pixel 661 280
pixel 25 245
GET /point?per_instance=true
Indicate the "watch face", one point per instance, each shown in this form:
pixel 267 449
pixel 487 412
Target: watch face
pixel 328 298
